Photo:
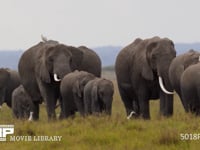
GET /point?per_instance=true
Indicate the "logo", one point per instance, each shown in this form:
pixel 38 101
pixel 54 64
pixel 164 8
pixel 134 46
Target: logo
pixel 5 130
pixel 9 129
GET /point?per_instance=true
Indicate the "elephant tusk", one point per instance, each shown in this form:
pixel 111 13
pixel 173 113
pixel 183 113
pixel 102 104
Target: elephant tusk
pixel 130 115
pixel 56 78
pixel 31 116
pixel 0 107
pixel 162 86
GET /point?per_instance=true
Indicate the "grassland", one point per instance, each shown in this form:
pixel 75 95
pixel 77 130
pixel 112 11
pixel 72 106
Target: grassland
pixel 108 133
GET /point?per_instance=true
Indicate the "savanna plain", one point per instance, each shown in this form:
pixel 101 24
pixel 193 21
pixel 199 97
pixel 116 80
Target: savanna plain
pixel 109 133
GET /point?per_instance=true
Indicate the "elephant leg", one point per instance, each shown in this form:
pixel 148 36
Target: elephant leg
pixel 49 95
pixel 143 104
pixel 87 104
pixel 61 108
pixel 79 104
pixel 127 100
pixel 50 105
pixel 68 107
pixel 35 110
pixel 166 104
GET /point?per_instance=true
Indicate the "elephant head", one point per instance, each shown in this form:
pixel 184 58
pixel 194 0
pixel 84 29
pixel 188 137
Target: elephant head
pixel 79 85
pixel 159 54
pixel 190 58
pixel 56 61
pixel 102 96
pixel 4 77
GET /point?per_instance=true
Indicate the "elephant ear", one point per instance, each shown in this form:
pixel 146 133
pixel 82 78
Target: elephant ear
pixel 77 57
pixel 148 66
pixel 41 68
pixel 77 89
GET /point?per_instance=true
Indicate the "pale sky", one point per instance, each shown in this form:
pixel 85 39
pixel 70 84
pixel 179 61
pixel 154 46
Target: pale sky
pixel 97 22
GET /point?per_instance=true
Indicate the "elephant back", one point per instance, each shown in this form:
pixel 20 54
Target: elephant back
pixel 91 61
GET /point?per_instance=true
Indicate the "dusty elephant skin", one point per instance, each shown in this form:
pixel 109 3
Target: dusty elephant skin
pixel 72 88
pixel 9 80
pixel 21 103
pixel 98 96
pixel 140 68
pixel 42 67
pixel 178 66
pixel 190 89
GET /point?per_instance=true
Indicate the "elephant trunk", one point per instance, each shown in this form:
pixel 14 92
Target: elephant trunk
pixel 60 70
pixel 108 109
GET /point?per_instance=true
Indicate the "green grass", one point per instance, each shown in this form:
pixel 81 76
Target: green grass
pixel 108 133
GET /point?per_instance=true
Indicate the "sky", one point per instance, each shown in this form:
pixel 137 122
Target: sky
pixel 97 22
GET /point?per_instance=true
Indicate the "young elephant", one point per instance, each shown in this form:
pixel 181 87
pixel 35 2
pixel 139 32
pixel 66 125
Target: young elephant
pixel 71 89
pixel 98 96
pixel 9 80
pixel 21 103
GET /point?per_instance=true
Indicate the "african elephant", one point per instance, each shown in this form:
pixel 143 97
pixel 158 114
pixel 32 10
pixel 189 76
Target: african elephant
pixel 98 96
pixel 140 68
pixel 42 67
pixel 21 103
pixel 190 89
pixel 178 66
pixel 9 80
pixel 72 88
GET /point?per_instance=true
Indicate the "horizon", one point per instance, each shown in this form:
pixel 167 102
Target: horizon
pixel 103 46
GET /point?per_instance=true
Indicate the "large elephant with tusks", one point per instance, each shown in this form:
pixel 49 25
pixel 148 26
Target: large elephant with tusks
pixel 42 67
pixel 142 74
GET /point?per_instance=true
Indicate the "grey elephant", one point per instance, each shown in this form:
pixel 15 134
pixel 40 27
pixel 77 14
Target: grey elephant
pixel 21 103
pixel 42 67
pixel 190 89
pixel 9 80
pixel 98 96
pixel 178 66
pixel 142 74
pixel 72 88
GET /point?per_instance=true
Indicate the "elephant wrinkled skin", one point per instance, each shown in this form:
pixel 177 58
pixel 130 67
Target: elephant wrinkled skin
pixel 9 80
pixel 42 67
pixel 178 66
pixel 138 67
pixel 72 88
pixel 98 96
pixel 21 103
pixel 190 89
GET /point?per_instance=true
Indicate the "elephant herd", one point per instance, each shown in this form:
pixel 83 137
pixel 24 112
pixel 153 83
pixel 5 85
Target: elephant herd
pixel 70 77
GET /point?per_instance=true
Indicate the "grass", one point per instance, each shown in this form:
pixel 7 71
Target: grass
pixel 108 133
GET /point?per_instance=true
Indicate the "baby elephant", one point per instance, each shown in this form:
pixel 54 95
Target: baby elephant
pixel 21 103
pixel 71 88
pixel 98 96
